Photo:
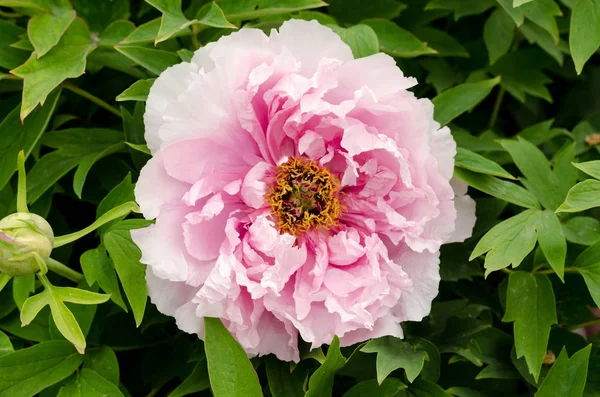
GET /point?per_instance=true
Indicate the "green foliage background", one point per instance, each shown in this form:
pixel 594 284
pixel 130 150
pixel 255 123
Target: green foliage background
pixel 518 81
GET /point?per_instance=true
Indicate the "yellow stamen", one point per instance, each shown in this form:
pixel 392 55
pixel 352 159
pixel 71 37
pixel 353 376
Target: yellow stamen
pixel 305 196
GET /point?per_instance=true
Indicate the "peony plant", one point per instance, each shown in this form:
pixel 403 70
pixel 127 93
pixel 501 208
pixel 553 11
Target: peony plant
pixel 298 198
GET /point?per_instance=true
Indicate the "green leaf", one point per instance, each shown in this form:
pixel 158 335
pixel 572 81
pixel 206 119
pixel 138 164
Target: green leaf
pixel 441 74
pixel 590 167
pixel 10 57
pixel 212 15
pixel 126 257
pixel 534 34
pixel 518 3
pixel 354 11
pixel 424 388
pixel 145 33
pixel 86 163
pixel 584 36
pixel 552 242
pixel 362 39
pixel 477 163
pixel 320 383
pixel 115 33
pixel 389 388
pixel 282 381
pixel 535 167
pixel 103 360
pixel 120 194
pixel 396 41
pixel 79 296
pixel 393 353
pixel 455 101
pixel 252 9
pixel 45 29
pixel 583 196
pixel 23 286
pixel 515 13
pixel 172 19
pixel 441 42
pixel 88 383
pixel 582 230
pixel 461 8
pixel 26 372
pixel 65 60
pixel 230 371
pixel 16 136
pixel 542 13
pixel 588 265
pixel 522 74
pixel 504 190
pixel 498 34
pixel 197 381
pixel 100 14
pixel 155 61
pixel 531 305
pixel 140 148
pixel 563 168
pixel 5 344
pixel 508 242
pixel 567 376
pixel 464 392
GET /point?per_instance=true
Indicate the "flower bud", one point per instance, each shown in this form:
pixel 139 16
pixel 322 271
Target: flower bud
pixel 22 235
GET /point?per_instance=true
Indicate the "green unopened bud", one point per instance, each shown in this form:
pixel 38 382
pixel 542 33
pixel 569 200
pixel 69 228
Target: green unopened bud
pixel 26 241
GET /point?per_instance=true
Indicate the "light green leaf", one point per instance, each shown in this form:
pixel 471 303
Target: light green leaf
pixel 477 163
pixel 16 136
pixel 115 33
pixel 145 33
pixel 197 381
pixel 138 91
pixel 282 381
pixel 531 305
pixel 155 61
pixel 590 167
pixel 139 148
pixel 498 34
pixel 393 353
pixel 582 230
pixel 115 213
pixel 508 242
pixel 552 242
pixel 212 15
pixel 185 55
pixel 45 29
pixel 320 383
pixel 563 167
pixel 172 19
pixel 441 42
pixel 11 57
pixel 361 39
pixel 389 388
pixel 584 36
pixel 79 296
pixel 518 3
pixel 455 101
pixel 583 196
pixel 567 376
pixel 88 383
pixel 396 41
pixel 588 265
pixel 103 360
pixel 33 305
pixel 542 13
pixel 126 257
pixel 230 371
pixel 5 344
pixel 65 60
pixel 28 371
pixel 252 9
pixel 23 286
pixel 504 190
pixel 535 34
pixel 533 164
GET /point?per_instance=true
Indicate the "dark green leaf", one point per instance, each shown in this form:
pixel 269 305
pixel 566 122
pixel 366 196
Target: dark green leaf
pixel 393 353
pixel 88 383
pixel 474 162
pixel 396 41
pixel 588 265
pixel 5 345
pixel 441 42
pixel 320 383
pixel 282 381
pixel 100 14
pixel 103 361
pixel 10 57
pixel 498 34
pixel 197 381
pixel 389 388
pixel 584 36
pixel 155 61
pixel 552 241
pixel 567 376
pixel 354 11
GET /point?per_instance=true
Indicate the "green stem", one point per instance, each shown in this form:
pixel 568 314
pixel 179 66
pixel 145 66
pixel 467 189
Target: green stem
pixel 497 106
pixel 92 98
pixel 22 184
pixel 64 270
pixel 550 271
pixel 586 324
pixel 115 213
pixel 194 37
pixel 507 271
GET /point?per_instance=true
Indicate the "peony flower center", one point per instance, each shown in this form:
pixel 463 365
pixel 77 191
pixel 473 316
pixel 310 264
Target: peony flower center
pixel 305 196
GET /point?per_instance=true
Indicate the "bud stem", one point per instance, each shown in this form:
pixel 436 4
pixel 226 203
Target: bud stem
pixel 4 279
pixel 64 270
pixel 22 186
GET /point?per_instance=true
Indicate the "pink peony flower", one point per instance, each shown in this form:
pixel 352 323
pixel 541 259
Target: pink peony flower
pixel 296 191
